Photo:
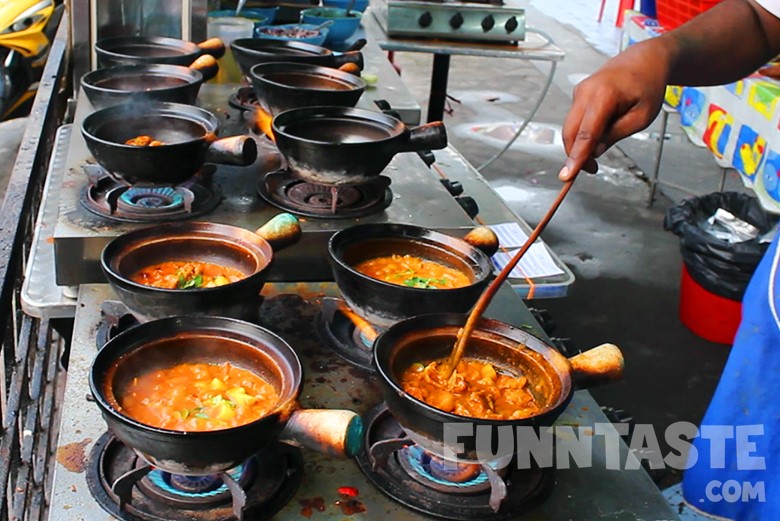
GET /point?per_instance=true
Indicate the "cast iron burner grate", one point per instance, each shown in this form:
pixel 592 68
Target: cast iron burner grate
pixel 131 490
pixel 429 494
pixel 341 335
pixel 113 200
pixel 284 191
pixel 244 99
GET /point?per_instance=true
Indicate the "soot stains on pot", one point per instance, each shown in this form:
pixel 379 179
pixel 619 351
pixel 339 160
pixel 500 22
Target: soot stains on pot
pixel 73 456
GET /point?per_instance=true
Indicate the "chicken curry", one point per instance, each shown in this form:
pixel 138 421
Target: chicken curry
pixel 414 272
pixel 198 397
pixel 476 389
pixel 186 275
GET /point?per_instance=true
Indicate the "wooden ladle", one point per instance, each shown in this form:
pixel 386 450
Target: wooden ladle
pixel 490 291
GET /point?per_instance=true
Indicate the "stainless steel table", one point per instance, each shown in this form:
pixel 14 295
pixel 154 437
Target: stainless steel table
pixel 534 48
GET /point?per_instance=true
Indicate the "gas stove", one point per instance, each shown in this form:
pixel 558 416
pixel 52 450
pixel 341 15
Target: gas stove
pixel 93 209
pixel 488 21
pixel 292 484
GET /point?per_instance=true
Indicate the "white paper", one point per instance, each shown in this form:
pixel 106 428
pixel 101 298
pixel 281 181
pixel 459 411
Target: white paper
pixel 537 261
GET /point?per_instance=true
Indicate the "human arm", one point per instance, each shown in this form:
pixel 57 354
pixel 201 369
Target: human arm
pixel 724 44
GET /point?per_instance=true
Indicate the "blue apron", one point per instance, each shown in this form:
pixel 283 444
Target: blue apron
pixel 729 479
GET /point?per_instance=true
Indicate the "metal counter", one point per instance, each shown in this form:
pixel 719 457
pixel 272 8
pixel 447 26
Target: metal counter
pixel 593 493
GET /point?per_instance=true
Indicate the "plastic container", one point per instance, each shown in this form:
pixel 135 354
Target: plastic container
pixel 360 5
pixel 706 314
pixel 260 17
pixel 229 29
pixel 674 13
pixel 343 27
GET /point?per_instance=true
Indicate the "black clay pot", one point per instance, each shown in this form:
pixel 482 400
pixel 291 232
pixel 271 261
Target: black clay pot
pixel 347 146
pixel 176 340
pixel 427 338
pixel 188 134
pixel 135 50
pixel 249 252
pixel 148 83
pixel 285 86
pixel 382 303
pixel 249 52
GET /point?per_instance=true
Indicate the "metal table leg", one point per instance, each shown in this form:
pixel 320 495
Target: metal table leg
pixel 723 173
pixel 438 94
pixel 658 153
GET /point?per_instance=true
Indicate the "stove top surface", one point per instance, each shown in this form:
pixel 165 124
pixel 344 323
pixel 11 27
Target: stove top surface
pixel 290 310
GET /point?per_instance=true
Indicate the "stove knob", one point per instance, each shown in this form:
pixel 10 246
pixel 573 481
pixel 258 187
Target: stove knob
pixel 511 24
pixel 469 205
pixel 488 22
pixel 455 188
pixel 456 21
pixel 425 19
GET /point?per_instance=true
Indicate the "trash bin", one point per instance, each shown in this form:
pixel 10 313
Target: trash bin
pixel 719 257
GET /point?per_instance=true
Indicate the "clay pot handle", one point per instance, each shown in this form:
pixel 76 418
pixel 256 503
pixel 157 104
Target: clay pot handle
pixel 431 136
pixel 213 47
pixel 350 68
pixel 483 239
pixel 355 57
pixel 281 231
pixel 334 432
pixel 602 363
pixel 207 65
pixel 234 150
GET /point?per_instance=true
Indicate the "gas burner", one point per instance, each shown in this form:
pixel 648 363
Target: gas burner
pixel 284 191
pixel 109 198
pixel 444 476
pixel 131 490
pixel 244 99
pixel 337 328
pixel 417 479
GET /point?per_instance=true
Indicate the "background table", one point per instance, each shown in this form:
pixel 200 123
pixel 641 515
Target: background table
pixel 534 47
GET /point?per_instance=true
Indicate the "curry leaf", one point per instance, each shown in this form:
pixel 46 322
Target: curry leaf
pixel 195 282
pixel 421 282
pixel 201 415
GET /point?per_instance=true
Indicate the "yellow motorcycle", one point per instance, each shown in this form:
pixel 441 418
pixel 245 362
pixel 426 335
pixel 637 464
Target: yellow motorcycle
pixel 26 29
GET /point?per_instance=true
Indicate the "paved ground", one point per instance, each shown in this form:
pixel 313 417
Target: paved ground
pixel 627 266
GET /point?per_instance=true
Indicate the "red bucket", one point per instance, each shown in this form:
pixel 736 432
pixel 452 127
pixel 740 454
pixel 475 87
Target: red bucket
pixel 706 314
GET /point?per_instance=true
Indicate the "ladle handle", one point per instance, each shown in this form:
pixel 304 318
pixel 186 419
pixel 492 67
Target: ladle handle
pixel 335 432
pixel 483 239
pixel 207 65
pixel 280 231
pixel 213 47
pixel 602 363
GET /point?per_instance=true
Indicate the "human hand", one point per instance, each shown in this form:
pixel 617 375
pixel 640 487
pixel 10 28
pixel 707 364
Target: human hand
pixel 621 98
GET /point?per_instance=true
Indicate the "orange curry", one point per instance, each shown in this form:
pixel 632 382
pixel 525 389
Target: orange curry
pixel 415 272
pixel 198 397
pixel 475 390
pixel 186 275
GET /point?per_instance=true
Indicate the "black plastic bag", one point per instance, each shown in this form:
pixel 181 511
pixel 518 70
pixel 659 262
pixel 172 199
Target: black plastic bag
pixel 717 265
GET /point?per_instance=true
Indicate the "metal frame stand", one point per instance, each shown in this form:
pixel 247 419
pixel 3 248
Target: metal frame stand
pixel 654 178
